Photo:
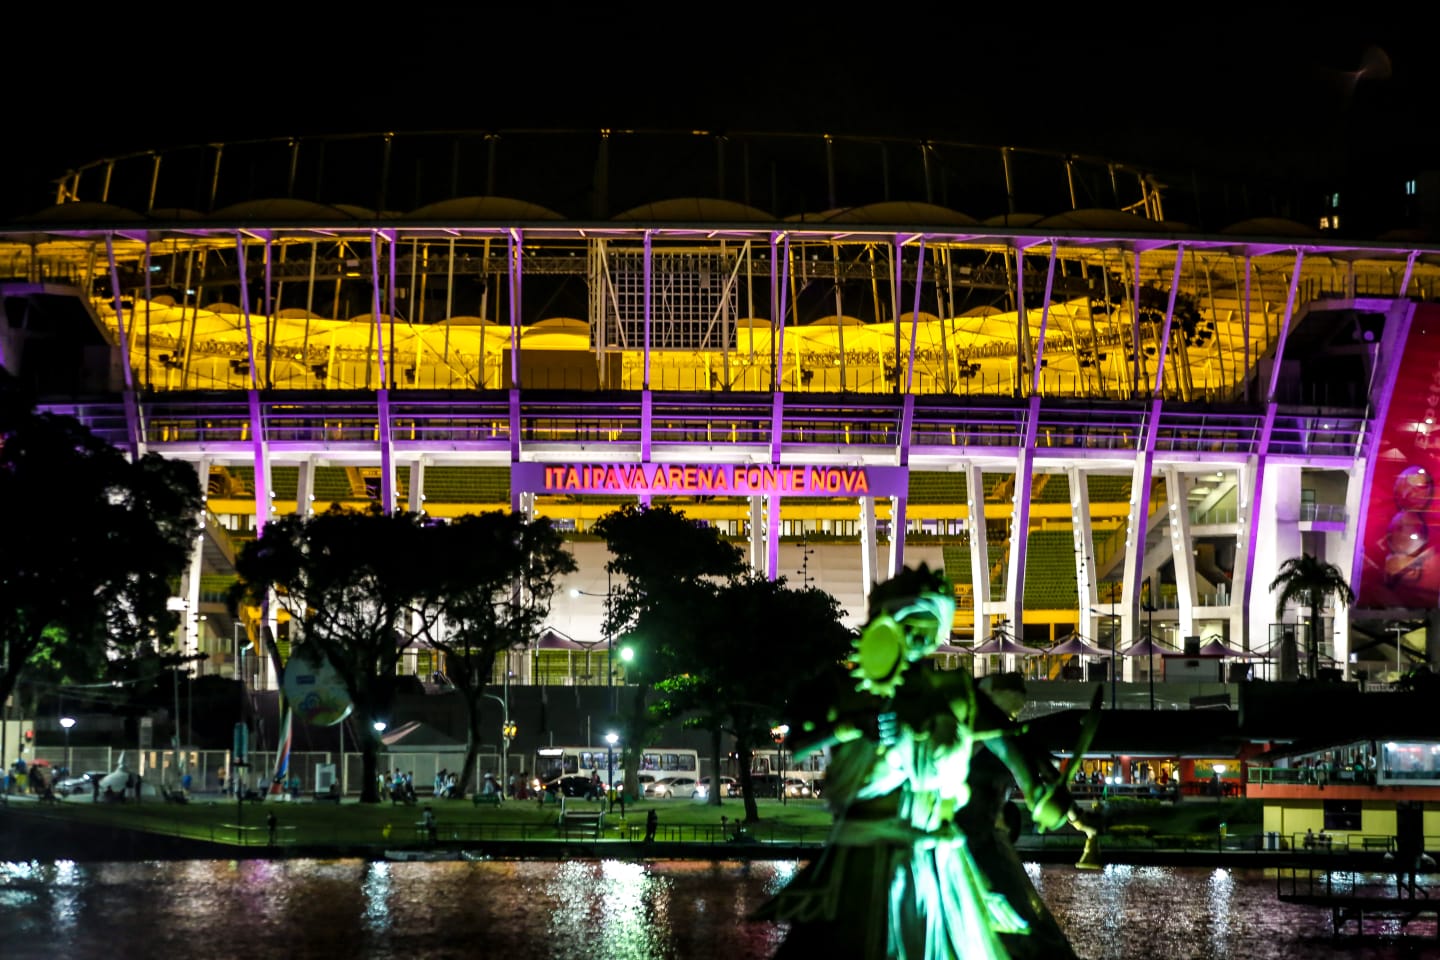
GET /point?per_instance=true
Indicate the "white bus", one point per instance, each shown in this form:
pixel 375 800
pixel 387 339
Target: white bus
pixel 804 777
pixel 552 763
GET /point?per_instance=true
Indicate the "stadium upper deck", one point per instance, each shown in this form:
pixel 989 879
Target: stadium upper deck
pixel 240 305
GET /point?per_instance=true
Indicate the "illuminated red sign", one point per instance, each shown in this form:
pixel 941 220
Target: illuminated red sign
pixel 710 479
pixel 1401 557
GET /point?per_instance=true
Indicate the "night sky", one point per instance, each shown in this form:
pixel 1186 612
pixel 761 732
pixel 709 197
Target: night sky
pixel 1265 95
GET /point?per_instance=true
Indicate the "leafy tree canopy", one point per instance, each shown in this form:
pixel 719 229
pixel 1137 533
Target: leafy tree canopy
pixel 754 645
pixel 659 556
pixel 491 592
pixel 1309 581
pixel 353 583
pixel 93 546
pixel 666 564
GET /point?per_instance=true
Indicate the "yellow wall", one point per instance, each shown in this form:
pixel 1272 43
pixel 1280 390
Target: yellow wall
pixel 1377 819
pixel 1294 817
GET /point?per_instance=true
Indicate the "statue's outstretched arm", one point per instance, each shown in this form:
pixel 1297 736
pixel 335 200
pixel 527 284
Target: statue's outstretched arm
pixel 1039 779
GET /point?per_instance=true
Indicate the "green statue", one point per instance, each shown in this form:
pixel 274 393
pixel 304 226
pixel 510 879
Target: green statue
pixel 916 866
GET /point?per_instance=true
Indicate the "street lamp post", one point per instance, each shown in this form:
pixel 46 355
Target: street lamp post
pixel 379 727
pixel 1219 824
pixel 627 655
pixel 778 734
pixel 67 723
pixel 506 730
pixel 611 739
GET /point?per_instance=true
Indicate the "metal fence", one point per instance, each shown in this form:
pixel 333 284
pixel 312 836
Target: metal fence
pixel 210 769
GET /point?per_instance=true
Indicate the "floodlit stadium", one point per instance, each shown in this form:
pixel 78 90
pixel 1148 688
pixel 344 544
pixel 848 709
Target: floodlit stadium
pixel 847 354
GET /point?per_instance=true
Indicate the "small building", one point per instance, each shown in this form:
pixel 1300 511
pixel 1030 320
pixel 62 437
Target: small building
pixel 1357 794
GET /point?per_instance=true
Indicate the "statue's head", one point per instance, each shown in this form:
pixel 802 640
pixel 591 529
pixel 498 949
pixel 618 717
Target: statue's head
pixel 909 616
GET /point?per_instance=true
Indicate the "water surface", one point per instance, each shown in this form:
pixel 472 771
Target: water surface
pixel 592 910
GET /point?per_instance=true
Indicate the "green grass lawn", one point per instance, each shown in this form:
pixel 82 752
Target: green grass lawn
pixel 350 824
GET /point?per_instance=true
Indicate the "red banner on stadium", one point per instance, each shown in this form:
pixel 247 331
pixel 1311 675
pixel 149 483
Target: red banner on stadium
pixel 1402 519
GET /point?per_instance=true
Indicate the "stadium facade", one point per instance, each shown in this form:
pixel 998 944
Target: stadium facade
pixel 1096 419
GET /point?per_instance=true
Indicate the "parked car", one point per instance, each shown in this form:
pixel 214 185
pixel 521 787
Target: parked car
pixel 83 783
pixel 671 787
pixel 797 789
pixel 728 787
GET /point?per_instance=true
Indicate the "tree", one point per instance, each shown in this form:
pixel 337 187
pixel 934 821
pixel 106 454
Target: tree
pixel 1309 581
pixel 352 582
pixel 493 593
pixel 660 558
pixel 757 641
pixel 93 545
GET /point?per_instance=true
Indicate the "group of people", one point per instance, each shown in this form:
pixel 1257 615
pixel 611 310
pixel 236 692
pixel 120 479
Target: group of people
pixel 397 787
pixel 1356 768
pixel 21 777
pixel 447 784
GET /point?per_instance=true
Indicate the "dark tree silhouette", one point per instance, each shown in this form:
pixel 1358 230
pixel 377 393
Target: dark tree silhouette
pixel 660 560
pixel 493 588
pixel 353 583
pixel 1309 581
pixel 755 643
pixel 92 546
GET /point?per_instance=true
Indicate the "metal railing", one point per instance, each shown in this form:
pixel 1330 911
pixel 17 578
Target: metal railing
pixel 1214 516
pixel 1308 775
pixel 334 421
pixel 1323 512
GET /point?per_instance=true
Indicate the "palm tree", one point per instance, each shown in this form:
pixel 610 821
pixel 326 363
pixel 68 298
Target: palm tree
pixel 1310 581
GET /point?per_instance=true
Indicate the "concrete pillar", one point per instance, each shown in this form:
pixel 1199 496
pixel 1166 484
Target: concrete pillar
pixel 979 552
pixel 415 503
pixel 305 488
pixel 1182 548
pixel 897 535
pixel 1239 618
pixel 772 538
pixel 1277 516
pixel 1138 525
pixel 1019 542
pixel 388 490
pixel 757 535
pixel 416 499
pixel 1347 543
pixel 191 586
pixel 869 558
pixel 1084 539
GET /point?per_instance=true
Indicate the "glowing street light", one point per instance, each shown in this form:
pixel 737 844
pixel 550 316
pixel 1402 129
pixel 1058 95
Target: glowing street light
pixel 611 739
pixel 778 734
pixel 67 723
pixel 1219 792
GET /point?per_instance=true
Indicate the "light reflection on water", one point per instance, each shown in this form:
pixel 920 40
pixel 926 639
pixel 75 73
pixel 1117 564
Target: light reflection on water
pixel 1205 914
pixel 591 910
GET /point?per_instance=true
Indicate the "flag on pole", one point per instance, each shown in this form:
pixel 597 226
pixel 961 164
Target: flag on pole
pixel 282 756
